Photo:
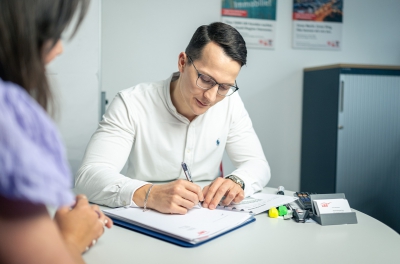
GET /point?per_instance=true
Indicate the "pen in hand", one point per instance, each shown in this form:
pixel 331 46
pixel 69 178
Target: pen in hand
pixel 188 175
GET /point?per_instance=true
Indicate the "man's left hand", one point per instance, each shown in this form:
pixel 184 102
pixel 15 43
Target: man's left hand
pixel 219 188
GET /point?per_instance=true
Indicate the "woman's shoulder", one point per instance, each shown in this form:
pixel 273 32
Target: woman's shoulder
pixel 23 116
pixel 17 102
pixel 32 159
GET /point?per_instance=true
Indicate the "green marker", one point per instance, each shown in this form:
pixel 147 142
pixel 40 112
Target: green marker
pixel 282 210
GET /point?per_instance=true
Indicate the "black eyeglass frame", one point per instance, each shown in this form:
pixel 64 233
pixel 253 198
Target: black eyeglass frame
pixel 219 84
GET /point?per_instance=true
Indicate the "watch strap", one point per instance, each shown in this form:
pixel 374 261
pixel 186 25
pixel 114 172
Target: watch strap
pixel 236 180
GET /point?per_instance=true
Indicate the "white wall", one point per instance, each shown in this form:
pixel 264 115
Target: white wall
pixel 142 39
pixel 74 77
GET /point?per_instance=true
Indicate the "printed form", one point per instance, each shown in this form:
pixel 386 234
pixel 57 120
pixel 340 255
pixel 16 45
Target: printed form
pixel 259 203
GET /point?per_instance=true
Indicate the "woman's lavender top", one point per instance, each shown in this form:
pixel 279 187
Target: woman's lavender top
pixel 33 165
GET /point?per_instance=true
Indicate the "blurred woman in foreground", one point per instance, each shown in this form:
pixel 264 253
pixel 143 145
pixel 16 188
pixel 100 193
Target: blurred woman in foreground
pixel 33 168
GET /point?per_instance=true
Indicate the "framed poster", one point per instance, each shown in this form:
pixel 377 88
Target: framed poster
pixel 317 24
pixel 254 19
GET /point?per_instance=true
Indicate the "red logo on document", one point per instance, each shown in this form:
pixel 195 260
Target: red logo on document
pixel 325 204
pixel 202 232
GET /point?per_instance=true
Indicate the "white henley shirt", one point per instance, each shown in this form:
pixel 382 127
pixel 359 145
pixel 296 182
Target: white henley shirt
pixel 142 128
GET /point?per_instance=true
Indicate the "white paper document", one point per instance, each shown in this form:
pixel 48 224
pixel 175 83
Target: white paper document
pixel 195 226
pixel 331 206
pixel 259 203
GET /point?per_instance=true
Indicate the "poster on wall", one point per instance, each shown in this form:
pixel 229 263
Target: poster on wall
pixel 317 24
pixel 254 19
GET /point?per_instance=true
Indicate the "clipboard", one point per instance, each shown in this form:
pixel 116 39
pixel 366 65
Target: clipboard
pixel 174 240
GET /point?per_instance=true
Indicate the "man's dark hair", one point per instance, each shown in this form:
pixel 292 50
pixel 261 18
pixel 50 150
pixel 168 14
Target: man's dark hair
pixel 225 36
pixel 25 27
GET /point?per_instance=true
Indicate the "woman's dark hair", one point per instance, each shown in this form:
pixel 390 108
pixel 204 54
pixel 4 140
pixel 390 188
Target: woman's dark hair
pixel 26 26
pixel 226 36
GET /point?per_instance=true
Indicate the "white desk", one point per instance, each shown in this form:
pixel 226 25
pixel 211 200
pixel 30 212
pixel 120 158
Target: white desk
pixel 267 240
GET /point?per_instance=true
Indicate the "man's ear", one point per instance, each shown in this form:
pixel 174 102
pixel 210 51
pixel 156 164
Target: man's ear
pixel 182 61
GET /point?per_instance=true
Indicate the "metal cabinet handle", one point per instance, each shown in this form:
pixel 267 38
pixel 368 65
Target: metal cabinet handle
pixel 341 96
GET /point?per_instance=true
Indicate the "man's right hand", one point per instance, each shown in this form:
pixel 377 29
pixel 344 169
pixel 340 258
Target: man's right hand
pixel 176 197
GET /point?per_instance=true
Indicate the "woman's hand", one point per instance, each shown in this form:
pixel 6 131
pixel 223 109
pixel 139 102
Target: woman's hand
pixel 81 225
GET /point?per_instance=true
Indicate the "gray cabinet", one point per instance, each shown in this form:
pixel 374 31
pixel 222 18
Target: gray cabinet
pixel 351 137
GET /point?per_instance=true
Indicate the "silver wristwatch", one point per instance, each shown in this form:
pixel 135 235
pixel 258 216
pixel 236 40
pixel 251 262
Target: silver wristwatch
pixel 237 180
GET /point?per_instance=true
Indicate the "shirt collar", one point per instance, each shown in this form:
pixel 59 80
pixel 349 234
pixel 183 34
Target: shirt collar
pixel 167 97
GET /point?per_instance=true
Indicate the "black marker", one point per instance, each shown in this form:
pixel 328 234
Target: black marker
pixel 289 208
pixel 280 190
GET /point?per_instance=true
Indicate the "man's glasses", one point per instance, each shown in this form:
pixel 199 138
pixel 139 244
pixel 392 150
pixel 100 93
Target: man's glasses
pixel 206 82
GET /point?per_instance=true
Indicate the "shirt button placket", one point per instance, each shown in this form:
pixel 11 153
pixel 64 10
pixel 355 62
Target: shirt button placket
pixel 190 139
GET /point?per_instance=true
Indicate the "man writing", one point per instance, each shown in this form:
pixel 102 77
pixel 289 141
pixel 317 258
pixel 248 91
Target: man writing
pixel 193 116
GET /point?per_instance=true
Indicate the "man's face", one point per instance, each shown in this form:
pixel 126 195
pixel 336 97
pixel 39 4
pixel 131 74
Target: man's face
pixel 213 63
